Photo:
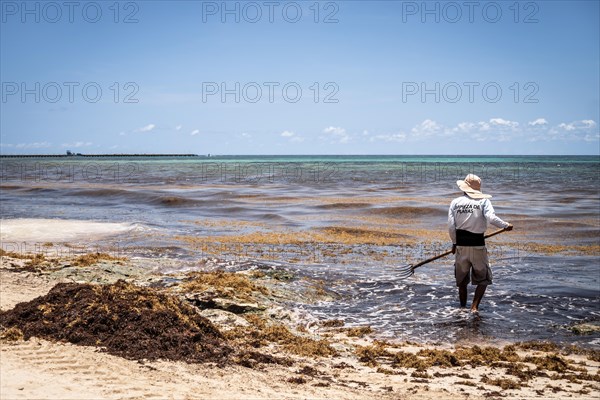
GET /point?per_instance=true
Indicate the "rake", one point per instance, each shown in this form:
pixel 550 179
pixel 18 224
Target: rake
pixel 406 271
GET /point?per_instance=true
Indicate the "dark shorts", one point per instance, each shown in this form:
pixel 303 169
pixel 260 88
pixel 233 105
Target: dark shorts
pixel 472 263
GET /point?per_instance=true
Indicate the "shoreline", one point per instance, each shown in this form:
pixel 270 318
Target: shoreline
pixel 359 367
pixel 76 156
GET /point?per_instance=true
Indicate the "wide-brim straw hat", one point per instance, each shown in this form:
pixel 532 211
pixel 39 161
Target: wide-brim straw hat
pixel 471 185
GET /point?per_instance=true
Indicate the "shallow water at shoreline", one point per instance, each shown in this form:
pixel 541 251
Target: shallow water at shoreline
pixel 348 222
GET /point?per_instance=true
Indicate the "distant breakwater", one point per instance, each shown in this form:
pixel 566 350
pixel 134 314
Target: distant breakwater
pixel 93 155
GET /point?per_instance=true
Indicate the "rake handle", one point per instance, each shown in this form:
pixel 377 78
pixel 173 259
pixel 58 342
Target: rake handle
pixel 450 251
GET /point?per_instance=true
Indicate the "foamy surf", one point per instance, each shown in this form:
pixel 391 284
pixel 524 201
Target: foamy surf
pixel 58 230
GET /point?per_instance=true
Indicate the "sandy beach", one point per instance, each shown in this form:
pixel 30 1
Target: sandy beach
pixel 321 360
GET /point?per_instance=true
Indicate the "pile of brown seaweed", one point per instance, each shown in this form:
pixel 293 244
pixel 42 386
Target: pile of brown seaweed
pixel 124 319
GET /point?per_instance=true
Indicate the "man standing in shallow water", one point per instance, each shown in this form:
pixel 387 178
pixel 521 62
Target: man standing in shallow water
pixel 467 221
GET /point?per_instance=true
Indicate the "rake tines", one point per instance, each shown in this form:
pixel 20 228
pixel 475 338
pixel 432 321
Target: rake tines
pixel 405 272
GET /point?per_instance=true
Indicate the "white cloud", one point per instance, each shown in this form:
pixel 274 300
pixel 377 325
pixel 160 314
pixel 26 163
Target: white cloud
pixel 464 127
pixel 146 128
pixel 499 122
pixel 77 144
pixel 538 122
pixel 469 127
pixel 338 133
pixel 335 130
pixel 479 137
pixel 292 136
pixel 427 128
pixel 577 125
pixel 34 145
pixel 573 131
pixel 482 131
pixel 178 127
pixel 246 135
pixel 588 123
pixel 567 127
pixel 483 126
pixel 392 137
pixel 496 129
pixel 194 132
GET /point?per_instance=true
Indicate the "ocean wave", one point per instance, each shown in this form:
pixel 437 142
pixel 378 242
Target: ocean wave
pixel 31 189
pixel 342 206
pixel 142 197
pixel 101 192
pixel 11 187
pixel 273 217
pixel 175 201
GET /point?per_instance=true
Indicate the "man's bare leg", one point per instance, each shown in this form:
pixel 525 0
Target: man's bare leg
pixel 462 295
pixel 479 292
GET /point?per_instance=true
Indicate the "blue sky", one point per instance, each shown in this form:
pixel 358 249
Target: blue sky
pixel 337 77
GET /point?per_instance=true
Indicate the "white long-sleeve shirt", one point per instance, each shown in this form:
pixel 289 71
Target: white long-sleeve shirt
pixel 472 215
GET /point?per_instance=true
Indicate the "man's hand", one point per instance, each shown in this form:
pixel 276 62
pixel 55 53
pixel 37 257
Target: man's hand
pixel 453 249
pixel 509 227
